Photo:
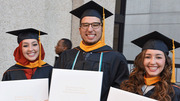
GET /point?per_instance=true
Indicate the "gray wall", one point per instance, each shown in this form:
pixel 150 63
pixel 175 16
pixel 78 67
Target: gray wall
pixel 51 16
pixel 144 16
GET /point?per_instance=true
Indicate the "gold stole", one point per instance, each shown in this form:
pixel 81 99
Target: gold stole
pixel 151 80
pixel 33 65
pixel 91 47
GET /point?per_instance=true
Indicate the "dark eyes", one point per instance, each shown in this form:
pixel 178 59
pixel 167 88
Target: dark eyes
pixel 35 44
pixel 94 25
pixel 28 45
pixel 159 57
pixel 25 45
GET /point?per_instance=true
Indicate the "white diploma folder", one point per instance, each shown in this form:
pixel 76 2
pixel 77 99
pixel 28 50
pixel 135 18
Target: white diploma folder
pixel 121 95
pixel 24 90
pixel 75 85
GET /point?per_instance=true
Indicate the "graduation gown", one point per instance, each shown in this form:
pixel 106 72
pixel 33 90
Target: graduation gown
pixel 16 72
pixel 114 65
pixel 176 97
pixel 57 59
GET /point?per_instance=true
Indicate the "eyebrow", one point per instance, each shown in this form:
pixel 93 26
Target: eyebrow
pixel 150 54
pixel 90 23
pixel 31 42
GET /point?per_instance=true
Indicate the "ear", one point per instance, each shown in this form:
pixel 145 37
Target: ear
pixel 79 29
pixel 64 48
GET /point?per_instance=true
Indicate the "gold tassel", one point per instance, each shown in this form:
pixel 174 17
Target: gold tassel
pixel 39 50
pixel 173 80
pixel 103 33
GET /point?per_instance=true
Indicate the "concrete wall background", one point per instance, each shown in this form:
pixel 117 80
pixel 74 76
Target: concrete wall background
pixel 51 16
pixel 145 16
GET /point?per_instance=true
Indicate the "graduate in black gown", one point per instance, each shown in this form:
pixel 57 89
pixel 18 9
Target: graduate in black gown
pixel 93 47
pixel 62 45
pixel 152 75
pixel 29 56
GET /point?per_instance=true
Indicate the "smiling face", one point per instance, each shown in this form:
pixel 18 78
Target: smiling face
pixel 30 49
pixel 154 62
pixel 90 35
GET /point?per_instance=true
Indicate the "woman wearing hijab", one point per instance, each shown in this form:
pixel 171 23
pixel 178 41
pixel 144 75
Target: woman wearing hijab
pixel 29 56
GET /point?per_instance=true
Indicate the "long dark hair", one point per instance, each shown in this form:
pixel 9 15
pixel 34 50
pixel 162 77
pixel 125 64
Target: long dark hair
pixel 163 89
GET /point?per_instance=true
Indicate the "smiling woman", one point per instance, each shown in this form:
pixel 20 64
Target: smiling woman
pixel 154 62
pixel 30 49
pixel 29 56
pixel 151 76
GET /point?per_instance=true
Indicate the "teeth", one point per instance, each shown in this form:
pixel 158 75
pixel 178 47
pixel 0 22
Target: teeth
pixel 31 54
pixel 91 35
pixel 153 68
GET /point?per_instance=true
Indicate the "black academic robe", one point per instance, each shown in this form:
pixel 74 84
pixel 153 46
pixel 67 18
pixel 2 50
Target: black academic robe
pixel 114 65
pixel 57 59
pixel 16 72
pixel 176 97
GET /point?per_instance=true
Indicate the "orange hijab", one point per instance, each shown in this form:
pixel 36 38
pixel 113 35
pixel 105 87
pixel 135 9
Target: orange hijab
pixel 19 57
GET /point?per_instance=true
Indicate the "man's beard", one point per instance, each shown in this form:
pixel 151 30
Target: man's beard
pixel 90 43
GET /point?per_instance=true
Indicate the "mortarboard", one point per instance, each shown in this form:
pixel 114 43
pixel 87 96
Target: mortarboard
pixel 158 41
pixel 28 33
pixel 90 9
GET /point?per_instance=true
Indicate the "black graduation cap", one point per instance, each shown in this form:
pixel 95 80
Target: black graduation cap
pixel 28 33
pixel 157 41
pixel 90 9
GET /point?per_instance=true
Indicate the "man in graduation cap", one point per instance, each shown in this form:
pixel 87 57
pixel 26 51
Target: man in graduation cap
pixel 29 56
pixel 92 49
pixel 152 75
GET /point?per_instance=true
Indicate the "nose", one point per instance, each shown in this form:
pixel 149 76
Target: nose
pixel 90 28
pixel 30 48
pixel 153 61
